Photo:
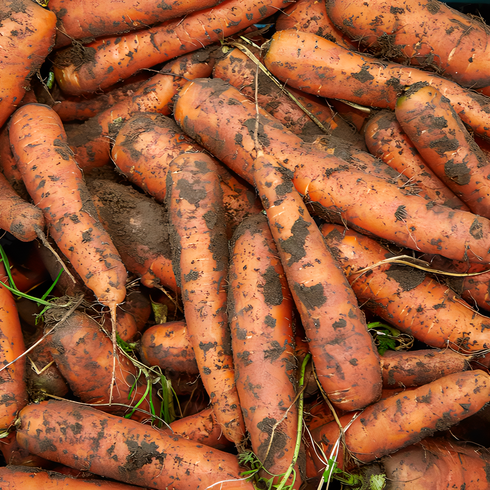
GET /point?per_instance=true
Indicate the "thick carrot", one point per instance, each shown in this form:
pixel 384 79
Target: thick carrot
pixel 152 46
pixel 94 19
pixel 386 140
pixel 15 455
pixel 426 33
pixel 125 450
pixel 441 138
pixel 200 258
pixel 335 326
pixel 27 31
pixel 408 298
pixel 310 63
pixel 13 392
pixel 261 323
pixel 408 417
pixel 56 185
pixel 408 220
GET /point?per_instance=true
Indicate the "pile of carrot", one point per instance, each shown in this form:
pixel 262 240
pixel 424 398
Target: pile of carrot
pixel 246 245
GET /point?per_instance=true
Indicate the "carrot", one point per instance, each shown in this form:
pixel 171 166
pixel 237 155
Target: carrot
pixel 335 326
pixel 91 142
pixel 27 31
pixel 406 418
pixel 94 19
pixel 441 138
pixel 261 324
pixel 8 166
pixel 200 259
pixel 14 455
pixel 139 229
pixel 408 220
pixel 161 43
pixel 310 62
pixel 55 183
pixel 409 299
pixel 35 478
pixel 311 16
pixel 122 449
pixel 83 354
pixel 428 34
pixel 354 116
pixel 20 218
pixel 13 392
pixel 386 140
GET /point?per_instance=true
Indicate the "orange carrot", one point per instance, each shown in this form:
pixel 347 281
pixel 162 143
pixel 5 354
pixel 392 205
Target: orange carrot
pixel 200 258
pixel 309 63
pixel 327 305
pixel 386 140
pixel 55 184
pixel 152 46
pixel 124 449
pixel 441 138
pixel 261 323
pixel 27 31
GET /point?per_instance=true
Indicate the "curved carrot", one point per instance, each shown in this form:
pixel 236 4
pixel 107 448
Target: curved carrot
pixel 411 300
pixel 150 47
pixel 200 258
pixel 386 140
pixel 261 323
pixel 123 449
pixel 327 305
pixel 310 63
pixel 55 183
pixel 439 135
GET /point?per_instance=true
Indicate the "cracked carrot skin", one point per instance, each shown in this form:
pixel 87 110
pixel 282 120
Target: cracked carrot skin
pixel 346 361
pixel 56 186
pixel 409 299
pixel 440 136
pixel 370 205
pixel 125 450
pixel 114 58
pixel 261 323
pixel 386 139
pixel 317 66
pixel 200 262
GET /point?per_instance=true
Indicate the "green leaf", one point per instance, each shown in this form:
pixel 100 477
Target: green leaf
pixel 377 482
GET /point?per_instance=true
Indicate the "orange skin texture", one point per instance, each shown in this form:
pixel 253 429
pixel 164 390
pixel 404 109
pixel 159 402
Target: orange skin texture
pixel 335 326
pixel 200 259
pixel 324 178
pixel 105 445
pixel 261 322
pixel 317 66
pixel 444 143
pixel 385 139
pixel 96 19
pixel 27 31
pixel 420 33
pixel 149 47
pixel 56 185
pixel 415 303
pixel 408 417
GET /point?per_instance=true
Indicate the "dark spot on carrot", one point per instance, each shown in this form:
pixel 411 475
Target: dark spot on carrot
pixel 192 276
pixel 339 324
pixel 205 347
pixel 140 455
pixel 244 357
pixel 294 245
pixel 310 296
pixel 275 352
pixel 272 289
pixel 363 75
pixel 270 321
pixel 476 229
pixel 408 278
pixel 191 192
pixel 457 172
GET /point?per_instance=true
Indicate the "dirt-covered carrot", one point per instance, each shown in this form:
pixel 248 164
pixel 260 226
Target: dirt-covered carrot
pixel 261 324
pixel 94 19
pixel 56 186
pixel 408 298
pixel 156 45
pixel 309 63
pixel 27 31
pixel 200 258
pixel 335 326
pixel 386 140
pixel 408 220
pixel 424 33
pixel 408 417
pixel 125 450
pixel 442 140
